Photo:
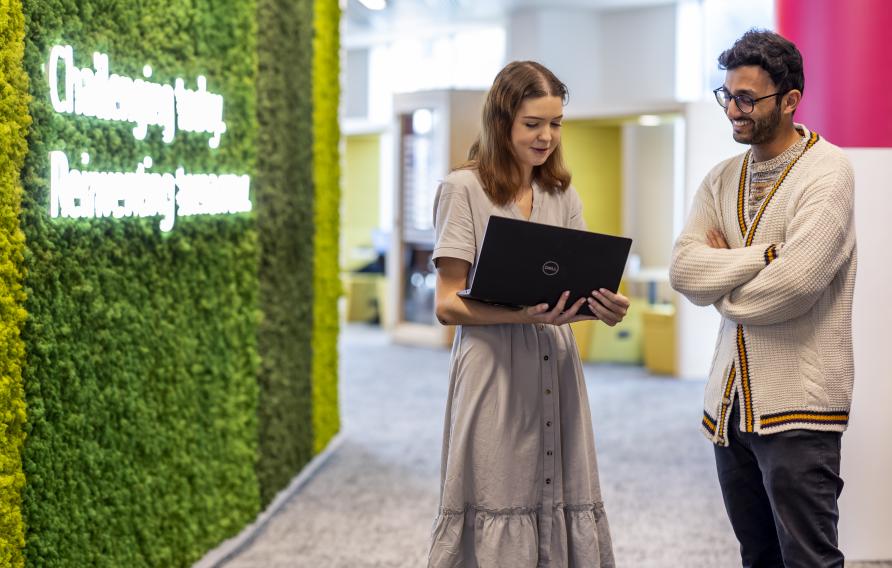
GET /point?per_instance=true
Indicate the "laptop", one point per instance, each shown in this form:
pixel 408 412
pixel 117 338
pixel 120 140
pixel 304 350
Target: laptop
pixel 524 263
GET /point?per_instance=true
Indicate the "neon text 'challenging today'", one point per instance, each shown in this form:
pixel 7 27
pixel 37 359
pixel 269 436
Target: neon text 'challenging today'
pixel 94 92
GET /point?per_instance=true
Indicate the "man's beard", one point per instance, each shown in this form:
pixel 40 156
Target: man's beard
pixel 763 130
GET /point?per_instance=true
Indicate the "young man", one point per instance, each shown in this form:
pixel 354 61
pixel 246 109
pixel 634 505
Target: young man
pixel 770 243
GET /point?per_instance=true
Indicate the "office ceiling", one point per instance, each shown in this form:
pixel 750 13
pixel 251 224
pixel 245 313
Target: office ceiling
pixel 408 14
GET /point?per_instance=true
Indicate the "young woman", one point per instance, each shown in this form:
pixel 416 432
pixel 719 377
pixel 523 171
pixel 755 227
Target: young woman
pixel 519 481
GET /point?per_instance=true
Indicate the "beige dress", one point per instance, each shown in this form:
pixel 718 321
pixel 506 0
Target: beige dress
pixel 519 484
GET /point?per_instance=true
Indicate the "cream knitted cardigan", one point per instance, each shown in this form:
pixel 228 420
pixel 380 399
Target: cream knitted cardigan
pixel 784 290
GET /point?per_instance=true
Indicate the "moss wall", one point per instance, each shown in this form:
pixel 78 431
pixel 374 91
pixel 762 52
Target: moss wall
pixel 141 346
pixel 327 191
pixel 285 215
pixel 14 121
pixel 174 382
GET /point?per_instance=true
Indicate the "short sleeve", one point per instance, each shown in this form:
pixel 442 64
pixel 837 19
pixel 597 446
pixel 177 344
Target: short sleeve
pixel 453 224
pixel 575 219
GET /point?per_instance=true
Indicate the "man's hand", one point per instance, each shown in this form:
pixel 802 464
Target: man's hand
pixel 716 240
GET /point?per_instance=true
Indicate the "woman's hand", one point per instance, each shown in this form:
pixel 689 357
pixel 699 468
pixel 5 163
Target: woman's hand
pixel 608 307
pixel 605 305
pixel 558 315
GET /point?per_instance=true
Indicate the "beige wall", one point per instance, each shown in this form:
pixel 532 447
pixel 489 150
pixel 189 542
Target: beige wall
pixel 648 181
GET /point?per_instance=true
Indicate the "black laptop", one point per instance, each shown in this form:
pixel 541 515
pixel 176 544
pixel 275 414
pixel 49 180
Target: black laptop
pixel 523 264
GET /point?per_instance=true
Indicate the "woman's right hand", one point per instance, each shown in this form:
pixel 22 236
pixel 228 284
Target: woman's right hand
pixel 559 314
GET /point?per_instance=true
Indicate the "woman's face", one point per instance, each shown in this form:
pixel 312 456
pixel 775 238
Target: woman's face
pixel 536 131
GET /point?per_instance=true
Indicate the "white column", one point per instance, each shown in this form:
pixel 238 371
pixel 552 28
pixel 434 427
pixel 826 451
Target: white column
pixel 866 503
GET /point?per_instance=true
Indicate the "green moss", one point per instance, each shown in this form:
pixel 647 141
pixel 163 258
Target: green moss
pixel 14 123
pixel 285 219
pixel 141 346
pixel 326 177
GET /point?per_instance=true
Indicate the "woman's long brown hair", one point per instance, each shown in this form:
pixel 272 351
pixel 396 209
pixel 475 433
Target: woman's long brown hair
pixel 492 155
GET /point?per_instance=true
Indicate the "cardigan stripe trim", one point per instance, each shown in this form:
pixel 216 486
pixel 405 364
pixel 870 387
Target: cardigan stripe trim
pixel 745 378
pixel 770 254
pixel 806 416
pixel 741 190
pixel 708 423
pixel 726 401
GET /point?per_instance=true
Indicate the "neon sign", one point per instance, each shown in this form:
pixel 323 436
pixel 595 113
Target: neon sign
pixel 97 93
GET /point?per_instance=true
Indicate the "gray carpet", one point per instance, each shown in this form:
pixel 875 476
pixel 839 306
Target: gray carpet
pixel 372 504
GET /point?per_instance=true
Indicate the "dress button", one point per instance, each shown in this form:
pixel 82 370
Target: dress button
pixel 548 423
pixel 546 357
pixel 548 453
pixel 547 391
pixel 548 481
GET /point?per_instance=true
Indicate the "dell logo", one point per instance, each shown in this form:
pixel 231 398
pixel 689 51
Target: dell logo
pixel 550 268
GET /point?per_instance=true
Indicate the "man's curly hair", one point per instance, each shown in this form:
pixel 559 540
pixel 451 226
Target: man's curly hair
pixel 770 51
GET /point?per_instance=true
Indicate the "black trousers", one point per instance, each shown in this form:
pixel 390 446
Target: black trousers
pixel 781 493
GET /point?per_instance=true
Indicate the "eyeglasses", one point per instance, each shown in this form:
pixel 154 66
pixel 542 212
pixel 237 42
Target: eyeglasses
pixel 745 103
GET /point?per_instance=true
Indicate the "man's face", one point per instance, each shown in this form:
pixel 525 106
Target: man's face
pixel 763 124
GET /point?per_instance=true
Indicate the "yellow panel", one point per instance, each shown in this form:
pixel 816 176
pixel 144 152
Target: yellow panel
pixel 621 343
pixel 592 151
pixel 362 294
pixel 659 339
pixel 361 198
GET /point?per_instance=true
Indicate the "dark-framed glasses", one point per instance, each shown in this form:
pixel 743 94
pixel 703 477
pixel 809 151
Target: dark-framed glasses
pixel 745 103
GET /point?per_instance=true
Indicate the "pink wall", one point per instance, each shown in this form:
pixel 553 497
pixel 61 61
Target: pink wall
pixel 847 51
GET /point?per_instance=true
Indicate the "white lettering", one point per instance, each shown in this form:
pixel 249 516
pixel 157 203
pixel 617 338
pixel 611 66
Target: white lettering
pixel 66 54
pixel 200 111
pixel 82 194
pixel 96 93
pixel 209 194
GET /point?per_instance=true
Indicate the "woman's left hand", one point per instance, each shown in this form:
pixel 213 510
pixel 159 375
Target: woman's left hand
pixel 608 307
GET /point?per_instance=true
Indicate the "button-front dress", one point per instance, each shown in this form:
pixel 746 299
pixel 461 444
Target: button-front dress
pixel 519 481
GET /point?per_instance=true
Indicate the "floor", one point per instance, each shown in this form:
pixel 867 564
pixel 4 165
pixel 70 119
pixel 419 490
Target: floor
pixel 371 505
